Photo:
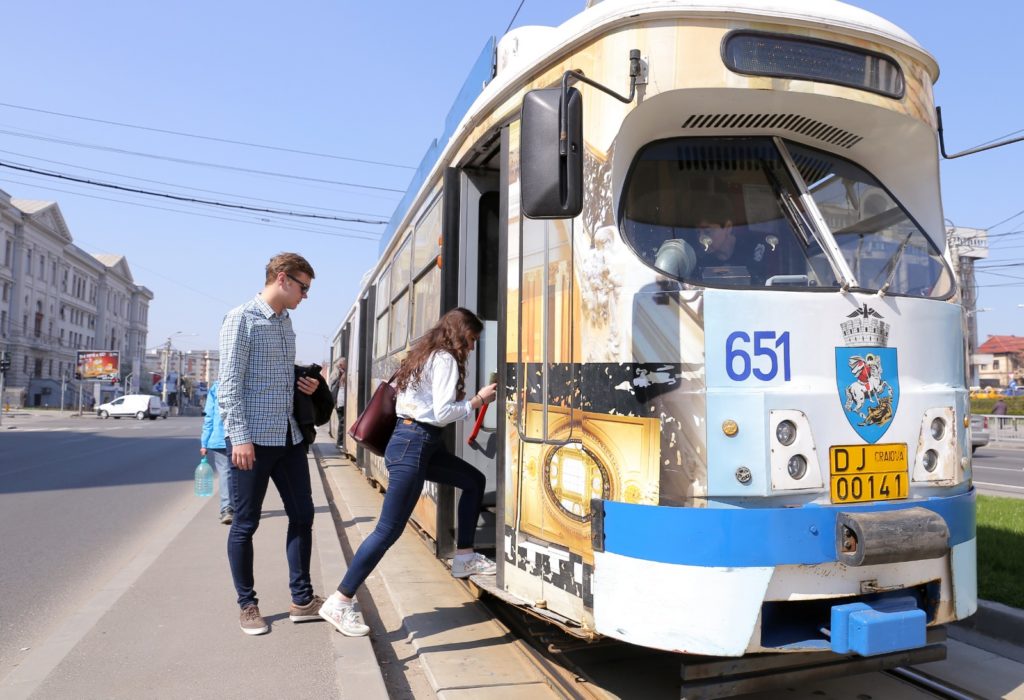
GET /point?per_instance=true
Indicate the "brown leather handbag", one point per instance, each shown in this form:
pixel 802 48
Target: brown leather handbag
pixel 375 424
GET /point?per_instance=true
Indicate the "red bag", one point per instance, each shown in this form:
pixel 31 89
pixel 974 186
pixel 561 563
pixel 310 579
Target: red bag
pixel 375 424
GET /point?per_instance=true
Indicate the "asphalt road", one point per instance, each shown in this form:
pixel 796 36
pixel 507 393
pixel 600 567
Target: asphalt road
pixel 999 470
pixel 79 498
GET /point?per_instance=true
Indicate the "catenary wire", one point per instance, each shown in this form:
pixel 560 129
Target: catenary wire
pixel 368 235
pixel 184 187
pixel 185 161
pixel 191 200
pixel 208 138
pixel 521 3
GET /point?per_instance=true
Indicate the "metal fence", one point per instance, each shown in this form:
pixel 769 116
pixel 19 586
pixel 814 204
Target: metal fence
pixel 1004 428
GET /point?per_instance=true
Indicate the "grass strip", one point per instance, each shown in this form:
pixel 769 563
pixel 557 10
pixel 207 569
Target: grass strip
pixel 1001 550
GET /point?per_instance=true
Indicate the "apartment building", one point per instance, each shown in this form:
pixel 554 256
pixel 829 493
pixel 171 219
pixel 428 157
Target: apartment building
pixel 58 299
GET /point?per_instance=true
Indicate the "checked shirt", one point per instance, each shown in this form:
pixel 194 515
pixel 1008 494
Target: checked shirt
pixel 257 376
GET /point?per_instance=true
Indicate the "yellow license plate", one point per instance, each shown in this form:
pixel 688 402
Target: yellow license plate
pixel 861 473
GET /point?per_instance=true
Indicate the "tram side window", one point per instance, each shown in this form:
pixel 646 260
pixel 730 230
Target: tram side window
pixel 426 294
pixel 383 290
pixel 399 323
pixel 380 336
pixel 882 244
pixel 720 212
pixel 382 304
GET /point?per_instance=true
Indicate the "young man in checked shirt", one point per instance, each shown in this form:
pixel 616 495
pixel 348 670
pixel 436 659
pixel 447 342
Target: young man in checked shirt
pixel 257 385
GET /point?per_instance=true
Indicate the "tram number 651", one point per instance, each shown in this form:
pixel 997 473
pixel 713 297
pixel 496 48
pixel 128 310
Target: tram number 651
pixel 741 351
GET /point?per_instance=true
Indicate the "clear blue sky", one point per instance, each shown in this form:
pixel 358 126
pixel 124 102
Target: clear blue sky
pixel 370 81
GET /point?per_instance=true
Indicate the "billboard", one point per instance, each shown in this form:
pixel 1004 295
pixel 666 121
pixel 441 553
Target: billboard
pixel 98 365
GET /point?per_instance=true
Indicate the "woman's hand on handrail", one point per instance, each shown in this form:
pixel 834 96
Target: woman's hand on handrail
pixel 488 393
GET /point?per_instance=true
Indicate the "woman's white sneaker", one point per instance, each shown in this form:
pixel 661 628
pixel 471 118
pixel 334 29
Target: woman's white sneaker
pixel 470 564
pixel 344 617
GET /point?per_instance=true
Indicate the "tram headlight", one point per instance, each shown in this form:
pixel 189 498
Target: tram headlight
pixel 930 460
pixel 797 465
pixel 938 428
pixel 785 432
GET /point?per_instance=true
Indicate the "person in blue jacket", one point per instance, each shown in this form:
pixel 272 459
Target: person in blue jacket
pixel 213 447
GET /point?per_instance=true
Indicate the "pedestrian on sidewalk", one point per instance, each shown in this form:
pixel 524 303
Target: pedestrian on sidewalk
pixel 212 446
pixel 338 393
pixel 431 394
pixel 257 386
pixel 999 409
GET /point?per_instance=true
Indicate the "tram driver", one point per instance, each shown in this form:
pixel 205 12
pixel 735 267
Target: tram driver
pixel 731 254
pixel 716 251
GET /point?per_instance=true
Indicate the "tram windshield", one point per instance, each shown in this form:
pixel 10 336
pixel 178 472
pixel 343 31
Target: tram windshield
pixel 727 212
pixel 882 245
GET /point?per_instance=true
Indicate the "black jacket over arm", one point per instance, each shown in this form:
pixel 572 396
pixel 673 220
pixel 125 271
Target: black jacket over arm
pixel 313 410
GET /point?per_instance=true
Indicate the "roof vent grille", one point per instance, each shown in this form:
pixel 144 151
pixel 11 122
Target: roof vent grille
pixel 788 122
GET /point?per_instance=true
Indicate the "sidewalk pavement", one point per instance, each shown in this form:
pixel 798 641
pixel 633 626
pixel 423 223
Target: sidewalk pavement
pixel 462 650
pixel 167 626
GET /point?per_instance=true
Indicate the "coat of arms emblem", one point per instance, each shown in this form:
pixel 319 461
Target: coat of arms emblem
pixel 867 374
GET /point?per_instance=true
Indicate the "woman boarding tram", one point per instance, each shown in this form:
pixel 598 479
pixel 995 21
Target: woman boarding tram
pixel 431 394
pixel 728 338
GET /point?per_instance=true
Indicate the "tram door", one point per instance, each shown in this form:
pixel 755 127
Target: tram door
pixel 473 215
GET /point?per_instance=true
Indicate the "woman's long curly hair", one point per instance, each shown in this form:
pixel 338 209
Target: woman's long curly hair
pixel 454 333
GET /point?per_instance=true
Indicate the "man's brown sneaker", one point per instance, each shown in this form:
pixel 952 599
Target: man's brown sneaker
pixel 306 613
pixel 252 622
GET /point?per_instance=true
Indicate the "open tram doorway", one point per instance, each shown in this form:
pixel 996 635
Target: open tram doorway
pixel 471 254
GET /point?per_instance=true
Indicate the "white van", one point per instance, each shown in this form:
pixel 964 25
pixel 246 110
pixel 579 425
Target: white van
pixel 141 406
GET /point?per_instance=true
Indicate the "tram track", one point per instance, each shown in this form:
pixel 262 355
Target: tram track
pixel 930 684
pixel 606 668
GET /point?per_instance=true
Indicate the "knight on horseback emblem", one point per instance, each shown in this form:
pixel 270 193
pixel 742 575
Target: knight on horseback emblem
pixel 870 399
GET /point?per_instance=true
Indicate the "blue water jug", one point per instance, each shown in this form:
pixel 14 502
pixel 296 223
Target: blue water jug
pixel 204 478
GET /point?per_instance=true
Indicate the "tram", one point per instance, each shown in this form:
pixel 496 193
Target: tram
pixel 707 242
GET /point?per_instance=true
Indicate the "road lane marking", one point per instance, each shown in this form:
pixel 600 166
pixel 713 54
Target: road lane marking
pixel 37 665
pixel 1002 469
pixel 1002 486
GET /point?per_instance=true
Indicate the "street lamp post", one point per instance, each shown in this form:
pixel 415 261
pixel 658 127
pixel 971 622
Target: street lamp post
pixel 167 353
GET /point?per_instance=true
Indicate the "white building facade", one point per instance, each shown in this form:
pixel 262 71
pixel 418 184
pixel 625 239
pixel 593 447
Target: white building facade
pixel 58 299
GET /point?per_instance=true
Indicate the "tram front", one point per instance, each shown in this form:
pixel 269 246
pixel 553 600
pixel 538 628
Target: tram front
pixel 762 275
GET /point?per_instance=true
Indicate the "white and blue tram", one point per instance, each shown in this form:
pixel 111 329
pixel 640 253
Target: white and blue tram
pixel 714 448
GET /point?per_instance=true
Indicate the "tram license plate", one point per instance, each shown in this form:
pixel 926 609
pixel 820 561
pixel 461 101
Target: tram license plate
pixel 861 473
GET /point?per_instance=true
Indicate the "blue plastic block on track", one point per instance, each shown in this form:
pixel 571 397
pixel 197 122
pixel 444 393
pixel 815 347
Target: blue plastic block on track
pixel 879 627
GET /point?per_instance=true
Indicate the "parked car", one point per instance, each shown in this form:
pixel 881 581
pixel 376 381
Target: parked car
pixel 141 406
pixel 979 432
pixel 164 410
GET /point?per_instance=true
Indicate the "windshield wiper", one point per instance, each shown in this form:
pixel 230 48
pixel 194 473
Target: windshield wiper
pixel 789 207
pixel 895 265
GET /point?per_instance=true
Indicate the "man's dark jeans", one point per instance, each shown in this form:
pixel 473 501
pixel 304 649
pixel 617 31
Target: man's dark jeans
pixel 416 453
pixel 288 468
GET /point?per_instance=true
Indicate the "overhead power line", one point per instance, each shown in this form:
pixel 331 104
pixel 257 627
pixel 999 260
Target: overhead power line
pixel 191 200
pixel 184 187
pixel 208 138
pixel 185 161
pixel 521 3
pixel 264 222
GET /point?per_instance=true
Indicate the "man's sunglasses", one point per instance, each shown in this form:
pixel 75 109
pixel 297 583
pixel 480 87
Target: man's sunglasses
pixel 302 287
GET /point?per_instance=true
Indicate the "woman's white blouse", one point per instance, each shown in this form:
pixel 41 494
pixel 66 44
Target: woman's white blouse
pixel 432 399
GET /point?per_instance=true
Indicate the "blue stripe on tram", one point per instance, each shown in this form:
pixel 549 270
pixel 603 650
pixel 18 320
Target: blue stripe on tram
pixel 753 536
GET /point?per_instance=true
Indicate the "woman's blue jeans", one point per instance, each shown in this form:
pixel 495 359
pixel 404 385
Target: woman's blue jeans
pixel 416 453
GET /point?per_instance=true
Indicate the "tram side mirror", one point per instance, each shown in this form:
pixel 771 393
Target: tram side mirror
pixel 551 183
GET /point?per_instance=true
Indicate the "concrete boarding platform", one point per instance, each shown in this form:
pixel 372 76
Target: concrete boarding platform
pixel 461 650
pixel 167 625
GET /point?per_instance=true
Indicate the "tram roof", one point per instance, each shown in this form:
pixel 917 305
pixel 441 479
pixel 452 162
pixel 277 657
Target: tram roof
pixel 488 81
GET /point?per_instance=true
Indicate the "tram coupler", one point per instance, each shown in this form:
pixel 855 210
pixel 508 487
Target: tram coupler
pixel 878 627
pixel 886 537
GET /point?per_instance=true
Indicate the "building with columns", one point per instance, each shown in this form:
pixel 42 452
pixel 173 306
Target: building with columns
pixel 58 299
